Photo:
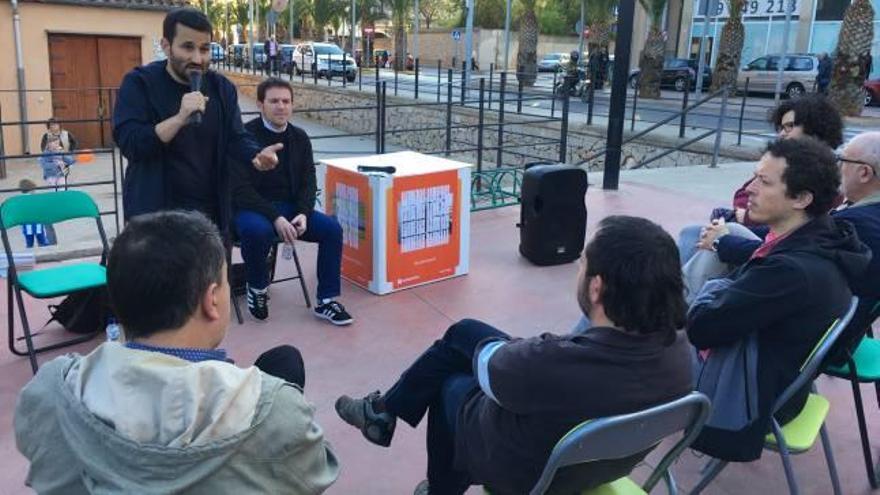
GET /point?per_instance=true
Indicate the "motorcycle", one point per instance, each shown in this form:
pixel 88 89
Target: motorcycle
pixel 563 84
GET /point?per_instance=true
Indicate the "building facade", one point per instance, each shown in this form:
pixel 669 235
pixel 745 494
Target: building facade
pixel 75 53
pixel 815 25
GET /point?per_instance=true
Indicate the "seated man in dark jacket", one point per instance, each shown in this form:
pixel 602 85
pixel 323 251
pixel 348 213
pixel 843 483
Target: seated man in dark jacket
pixel 793 287
pixel 279 204
pixel 497 405
pixel 860 173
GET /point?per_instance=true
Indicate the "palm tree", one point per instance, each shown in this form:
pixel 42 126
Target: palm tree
pixel 600 18
pixel 400 18
pixel 730 48
pixel 651 60
pixel 527 53
pixel 853 45
pixel 324 12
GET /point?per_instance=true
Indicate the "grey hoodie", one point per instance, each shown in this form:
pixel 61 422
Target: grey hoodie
pixel 121 420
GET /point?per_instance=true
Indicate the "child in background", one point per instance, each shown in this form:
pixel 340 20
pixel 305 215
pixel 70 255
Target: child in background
pixel 32 231
pixel 55 162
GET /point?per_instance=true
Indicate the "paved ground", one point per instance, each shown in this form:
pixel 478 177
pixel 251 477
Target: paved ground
pixel 503 289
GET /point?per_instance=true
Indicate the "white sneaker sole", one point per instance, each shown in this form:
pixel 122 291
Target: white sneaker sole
pixel 337 323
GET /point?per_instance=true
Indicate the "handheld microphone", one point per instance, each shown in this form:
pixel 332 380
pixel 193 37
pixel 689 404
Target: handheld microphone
pixel 195 84
pixel 369 168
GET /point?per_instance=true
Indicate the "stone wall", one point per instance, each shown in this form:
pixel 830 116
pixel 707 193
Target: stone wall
pixel 524 140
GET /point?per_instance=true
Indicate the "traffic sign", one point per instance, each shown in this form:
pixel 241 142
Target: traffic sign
pixel 456 35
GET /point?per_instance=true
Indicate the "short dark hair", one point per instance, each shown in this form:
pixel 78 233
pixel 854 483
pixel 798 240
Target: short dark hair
pixel 641 274
pixel 272 82
pixel 52 120
pixel 189 17
pixel 819 118
pixel 810 167
pixel 158 269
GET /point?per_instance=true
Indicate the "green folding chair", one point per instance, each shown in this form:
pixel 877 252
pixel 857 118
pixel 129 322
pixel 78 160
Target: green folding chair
pixel 48 208
pixel 799 435
pixel 626 435
pixel 863 366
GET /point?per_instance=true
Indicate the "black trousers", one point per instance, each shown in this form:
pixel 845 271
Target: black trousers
pixel 284 362
pixel 439 382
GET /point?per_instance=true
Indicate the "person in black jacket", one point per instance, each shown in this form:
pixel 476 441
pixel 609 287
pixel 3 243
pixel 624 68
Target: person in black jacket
pixel 497 405
pixel 174 162
pixel 279 204
pixel 791 289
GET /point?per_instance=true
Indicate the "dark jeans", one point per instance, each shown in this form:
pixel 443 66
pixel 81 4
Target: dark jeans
pixel 283 362
pixel 257 234
pixel 439 382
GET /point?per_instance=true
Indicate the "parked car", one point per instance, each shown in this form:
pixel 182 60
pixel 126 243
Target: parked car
pixel 551 62
pixel 676 73
pixel 217 54
pixel 285 55
pixel 235 54
pixel 872 92
pixel 326 59
pixel 798 76
pixel 259 57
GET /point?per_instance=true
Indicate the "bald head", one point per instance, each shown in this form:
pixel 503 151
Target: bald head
pixel 860 166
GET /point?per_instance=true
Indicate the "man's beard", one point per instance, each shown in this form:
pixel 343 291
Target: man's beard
pixel 182 68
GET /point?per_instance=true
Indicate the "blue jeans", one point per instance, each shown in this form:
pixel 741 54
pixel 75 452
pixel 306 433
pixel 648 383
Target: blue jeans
pixel 687 242
pixel 257 235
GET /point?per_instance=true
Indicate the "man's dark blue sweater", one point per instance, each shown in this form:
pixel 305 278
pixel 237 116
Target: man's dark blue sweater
pixel 191 171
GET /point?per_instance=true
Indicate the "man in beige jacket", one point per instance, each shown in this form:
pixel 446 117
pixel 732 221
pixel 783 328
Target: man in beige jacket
pixel 167 412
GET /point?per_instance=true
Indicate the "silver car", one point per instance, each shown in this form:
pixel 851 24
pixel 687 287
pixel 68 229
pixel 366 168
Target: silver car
pixel 798 76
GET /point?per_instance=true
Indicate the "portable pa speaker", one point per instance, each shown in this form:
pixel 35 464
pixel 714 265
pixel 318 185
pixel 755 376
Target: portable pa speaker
pixel 553 216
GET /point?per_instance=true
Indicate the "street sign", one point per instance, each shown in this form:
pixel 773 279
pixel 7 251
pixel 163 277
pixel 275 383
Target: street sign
pixel 271 17
pixel 456 35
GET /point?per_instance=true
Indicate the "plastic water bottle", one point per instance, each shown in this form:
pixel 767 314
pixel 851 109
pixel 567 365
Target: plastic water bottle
pixel 113 331
pixel 287 251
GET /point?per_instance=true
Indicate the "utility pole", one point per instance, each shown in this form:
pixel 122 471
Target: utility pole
pixel 416 35
pixel 616 114
pixel 782 60
pixel 468 42
pixel 22 89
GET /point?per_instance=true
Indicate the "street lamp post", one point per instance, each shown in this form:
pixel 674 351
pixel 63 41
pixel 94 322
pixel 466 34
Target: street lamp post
pixel 468 42
pixel 353 11
pixel 507 36
pixel 617 111
pixel 416 35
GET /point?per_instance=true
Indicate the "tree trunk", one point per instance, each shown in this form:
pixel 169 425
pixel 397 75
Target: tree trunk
pixel 651 64
pixel 527 53
pixel 853 46
pixel 729 49
pixel 399 46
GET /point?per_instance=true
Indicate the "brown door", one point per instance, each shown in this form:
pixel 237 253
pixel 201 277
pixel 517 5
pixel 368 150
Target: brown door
pixel 116 56
pixel 74 78
pixel 85 72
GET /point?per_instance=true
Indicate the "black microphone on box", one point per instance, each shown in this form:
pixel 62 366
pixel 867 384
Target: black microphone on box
pixel 195 84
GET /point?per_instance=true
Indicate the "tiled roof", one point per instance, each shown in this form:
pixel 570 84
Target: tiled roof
pixel 120 4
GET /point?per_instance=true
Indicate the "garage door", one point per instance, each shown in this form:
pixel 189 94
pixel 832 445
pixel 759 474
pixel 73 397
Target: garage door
pixel 85 72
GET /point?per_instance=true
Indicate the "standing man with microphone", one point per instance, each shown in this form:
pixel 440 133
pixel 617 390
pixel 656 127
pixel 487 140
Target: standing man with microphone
pixel 179 126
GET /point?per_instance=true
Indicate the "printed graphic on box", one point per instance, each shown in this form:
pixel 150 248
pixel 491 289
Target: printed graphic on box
pixel 423 228
pixel 350 200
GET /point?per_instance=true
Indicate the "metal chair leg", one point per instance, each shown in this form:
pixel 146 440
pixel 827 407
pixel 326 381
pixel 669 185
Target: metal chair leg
pixel 710 472
pixel 786 459
pixel 302 282
pixel 32 354
pixel 10 317
pixel 863 430
pixel 829 459
pixel 237 309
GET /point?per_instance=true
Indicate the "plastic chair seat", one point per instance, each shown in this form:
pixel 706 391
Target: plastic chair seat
pixel 621 486
pixel 800 433
pixel 57 281
pixel 867 359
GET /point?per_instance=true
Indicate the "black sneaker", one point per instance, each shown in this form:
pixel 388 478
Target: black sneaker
pixel 258 302
pixel 333 312
pixel 378 428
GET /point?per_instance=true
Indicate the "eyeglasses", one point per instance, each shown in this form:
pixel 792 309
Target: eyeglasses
pixel 786 126
pixel 842 159
pixel 874 168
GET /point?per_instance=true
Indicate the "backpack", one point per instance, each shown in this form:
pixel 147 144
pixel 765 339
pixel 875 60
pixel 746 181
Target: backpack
pixel 82 312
